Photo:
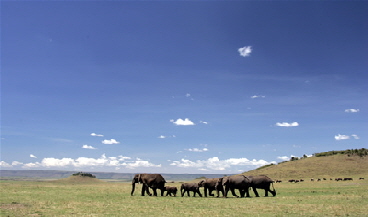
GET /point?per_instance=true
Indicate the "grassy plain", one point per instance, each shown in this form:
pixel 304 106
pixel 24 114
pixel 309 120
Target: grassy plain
pixel 97 198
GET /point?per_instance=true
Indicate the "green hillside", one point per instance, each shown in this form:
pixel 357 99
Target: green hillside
pixel 339 165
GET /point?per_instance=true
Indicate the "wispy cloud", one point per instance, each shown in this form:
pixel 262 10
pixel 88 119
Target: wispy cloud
pixel 181 122
pixel 203 122
pixel 94 134
pixel 344 137
pixel 285 124
pixel 162 137
pixel 88 147
pixel 355 136
pixel 245 51
pixel 32 156
pixel 257 96
pixel 351 110
pixel 110 142
pixel 197 149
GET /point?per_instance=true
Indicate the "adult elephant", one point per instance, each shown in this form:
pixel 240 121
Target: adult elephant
pixel 154 181
pixel 240 182
pixel 186 187
pixel 210 185
pixel 262 182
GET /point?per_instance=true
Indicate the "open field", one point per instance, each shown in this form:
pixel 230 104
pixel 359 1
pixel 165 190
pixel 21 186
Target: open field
pixel 98 198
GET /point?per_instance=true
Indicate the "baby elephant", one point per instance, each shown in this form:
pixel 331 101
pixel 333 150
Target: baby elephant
pixel 186 187
pixel 170 191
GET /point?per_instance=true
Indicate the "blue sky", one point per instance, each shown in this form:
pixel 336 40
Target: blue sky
pixel 180 87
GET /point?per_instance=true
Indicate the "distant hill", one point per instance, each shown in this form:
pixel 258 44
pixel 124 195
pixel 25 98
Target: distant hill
pixel 329 166
pixel 78 180
pixel 121 177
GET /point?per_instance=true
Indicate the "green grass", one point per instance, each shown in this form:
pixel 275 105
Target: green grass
pixel 97 198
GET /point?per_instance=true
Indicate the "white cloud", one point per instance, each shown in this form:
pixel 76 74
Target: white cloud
pixel 215 163
pixel 94 134
pixel 284 158
pixel 32 156
pixel 257 96
pixel 203 122
pixel 341 137
pixel 351 110
pixel 16 163
pixel 110 142
pixel 198 150
pixel 355 136
pixel 344 137
pixel 88 147
pixel 285 124
pixel 181 122
pixel 4 164
pixel 245 51
pixel 82 162
pixel 187 95
pixel 141 163
pixel 162 137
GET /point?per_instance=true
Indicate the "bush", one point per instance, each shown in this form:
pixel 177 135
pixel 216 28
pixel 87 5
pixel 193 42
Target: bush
pixel 84 174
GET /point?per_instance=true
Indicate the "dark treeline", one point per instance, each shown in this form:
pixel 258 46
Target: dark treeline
pixel 350 152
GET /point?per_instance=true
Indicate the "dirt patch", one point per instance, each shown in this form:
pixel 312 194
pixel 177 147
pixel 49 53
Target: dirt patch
pixel 13 206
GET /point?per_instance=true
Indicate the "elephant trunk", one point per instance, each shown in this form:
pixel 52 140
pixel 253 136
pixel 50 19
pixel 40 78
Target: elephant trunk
pixel 133 186
pixel 134 180
pixel 274 191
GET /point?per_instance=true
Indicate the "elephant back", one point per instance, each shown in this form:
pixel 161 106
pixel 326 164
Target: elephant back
pixel 261 179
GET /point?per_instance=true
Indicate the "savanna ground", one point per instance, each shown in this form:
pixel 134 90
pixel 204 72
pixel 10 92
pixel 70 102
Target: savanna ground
pixel 47 198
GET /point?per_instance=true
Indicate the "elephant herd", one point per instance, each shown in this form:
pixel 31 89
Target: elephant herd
pixel 224 185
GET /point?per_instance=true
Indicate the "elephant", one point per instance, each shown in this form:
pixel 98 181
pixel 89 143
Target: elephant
pixel 210 185
pixel 154 181
pixel 186 187
pixel 262 182
pixel 240 182
pixel 171 191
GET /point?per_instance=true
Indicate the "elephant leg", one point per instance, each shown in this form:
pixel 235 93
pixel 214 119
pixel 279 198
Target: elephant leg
pixel 255 191
pixel 205 191
pixel 188 194
pixel 266 192
pixel 233 192
pixel 143 190
pixel 154 191
pixel 247 192
pixel 199 193
pixel 147 190
pixel 163 191
pixel 210 192
pixel 226 191
pixel 241 192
